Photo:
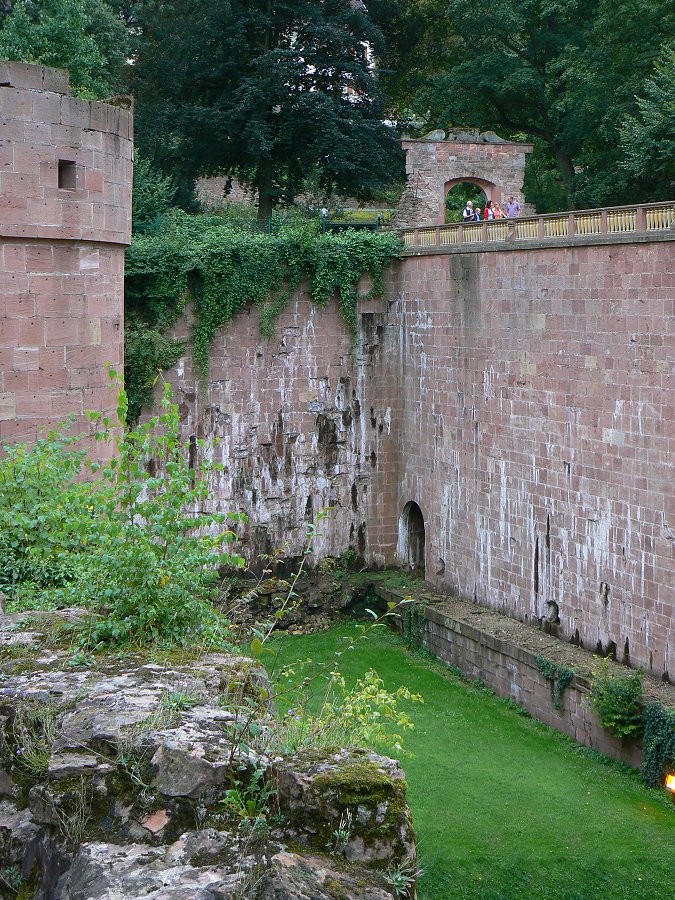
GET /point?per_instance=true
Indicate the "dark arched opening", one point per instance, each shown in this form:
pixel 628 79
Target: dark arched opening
pixel 411 539
pixel 459 190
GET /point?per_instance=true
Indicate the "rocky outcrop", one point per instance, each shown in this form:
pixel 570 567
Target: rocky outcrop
pixel 140 779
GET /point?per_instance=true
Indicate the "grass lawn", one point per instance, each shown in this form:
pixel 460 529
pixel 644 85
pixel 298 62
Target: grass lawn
pixel 503 806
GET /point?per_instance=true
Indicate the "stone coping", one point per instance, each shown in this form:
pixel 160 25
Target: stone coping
pixel 518 640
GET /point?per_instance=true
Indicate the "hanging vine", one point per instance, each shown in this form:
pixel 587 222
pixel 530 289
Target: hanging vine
pixel 559 677
pixel 659 743
pixel 222 269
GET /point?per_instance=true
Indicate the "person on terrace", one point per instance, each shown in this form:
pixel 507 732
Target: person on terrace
pixel 468 215
pixel 512 208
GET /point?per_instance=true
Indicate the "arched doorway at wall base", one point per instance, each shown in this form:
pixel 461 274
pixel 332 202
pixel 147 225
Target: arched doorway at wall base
pixel 411 537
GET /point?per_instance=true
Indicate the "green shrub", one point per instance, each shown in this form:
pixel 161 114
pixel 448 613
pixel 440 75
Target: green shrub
pixel 44 513
pixel 131 543
pixel 618 700
pixel 659 743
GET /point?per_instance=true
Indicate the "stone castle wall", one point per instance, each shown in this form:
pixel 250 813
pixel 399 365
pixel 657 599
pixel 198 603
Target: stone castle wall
pixel 523 398
pixel 65 217
pixel 300 424
pixel 537 435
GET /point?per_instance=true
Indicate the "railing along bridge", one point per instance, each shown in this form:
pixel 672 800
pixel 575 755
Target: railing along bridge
pixel 648 218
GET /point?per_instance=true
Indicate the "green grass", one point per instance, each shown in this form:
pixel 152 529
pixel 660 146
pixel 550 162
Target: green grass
pixel 503 806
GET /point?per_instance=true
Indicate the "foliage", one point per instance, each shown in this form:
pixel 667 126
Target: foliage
pixel 222 269
pixel 251 800
pixel 367 715
pixel 44 516
pixel 618 699
pixel 271 92
pixel 146 352
pixel 153 194
pixel 544 69
pixel 559 676
pixel 659 743
pixel 83 36
pixel 648 136
pixel 133 544
pixel 404 877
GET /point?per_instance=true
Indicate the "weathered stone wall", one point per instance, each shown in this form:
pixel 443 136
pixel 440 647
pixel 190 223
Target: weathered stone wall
pixel 296 423
pixel 524 399
pixel 65 216
pixel 512 672
pixel 537 434
pixel 432 167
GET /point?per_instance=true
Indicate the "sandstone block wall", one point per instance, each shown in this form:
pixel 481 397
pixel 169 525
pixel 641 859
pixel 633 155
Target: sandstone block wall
pixel 537 434
pixel 512 672
pixel 298 424
pixel 65 217
pixel 432 167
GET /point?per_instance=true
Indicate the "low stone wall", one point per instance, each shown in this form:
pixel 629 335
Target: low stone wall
pixel 511 671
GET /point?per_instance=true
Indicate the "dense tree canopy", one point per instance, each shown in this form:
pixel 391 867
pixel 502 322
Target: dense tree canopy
pixel 273 91
pixel 564 72
pixel 87 37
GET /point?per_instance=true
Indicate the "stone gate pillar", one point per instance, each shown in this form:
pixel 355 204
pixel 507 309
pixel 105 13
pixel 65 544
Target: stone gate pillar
pixel 434 166
pixel 65 218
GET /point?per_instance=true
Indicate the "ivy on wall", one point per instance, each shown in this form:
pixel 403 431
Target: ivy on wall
pixel 559 676
pixel 221 269
pixel 659 743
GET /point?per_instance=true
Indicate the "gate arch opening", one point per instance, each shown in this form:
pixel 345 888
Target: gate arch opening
pixel 459 190
pixel 411 537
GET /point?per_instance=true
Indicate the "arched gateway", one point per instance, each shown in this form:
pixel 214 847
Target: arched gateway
pixel 433 167
pixel 411 537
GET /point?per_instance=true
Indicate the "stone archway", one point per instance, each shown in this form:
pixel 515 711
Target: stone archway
pixel 434 166
pixel 488 187
pixel 411 537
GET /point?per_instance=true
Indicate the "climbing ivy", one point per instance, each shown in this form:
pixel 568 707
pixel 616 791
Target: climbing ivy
pixel 413 619
pixel 659 743
pixel 617 698
pixel 221 269
pixel 559 676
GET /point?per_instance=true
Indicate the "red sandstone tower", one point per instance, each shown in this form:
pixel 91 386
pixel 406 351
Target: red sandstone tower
pixel 65 219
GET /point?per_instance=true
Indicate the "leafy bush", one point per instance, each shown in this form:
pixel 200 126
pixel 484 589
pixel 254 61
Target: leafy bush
pixel 618 700
pixel 659 743
pixel 130 544
pixel 44 515
pixel 366 716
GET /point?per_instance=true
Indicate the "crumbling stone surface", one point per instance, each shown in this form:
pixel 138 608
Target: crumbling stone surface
pixel 114 786
pixel 497 166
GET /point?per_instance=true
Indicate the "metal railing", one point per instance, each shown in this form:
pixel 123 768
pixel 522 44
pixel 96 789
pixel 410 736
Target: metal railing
pixel 641 219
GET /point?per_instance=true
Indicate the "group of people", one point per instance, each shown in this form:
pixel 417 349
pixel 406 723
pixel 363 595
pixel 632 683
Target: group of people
pixel 472 213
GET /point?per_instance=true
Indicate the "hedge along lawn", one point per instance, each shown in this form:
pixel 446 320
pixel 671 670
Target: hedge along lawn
pixel 503 806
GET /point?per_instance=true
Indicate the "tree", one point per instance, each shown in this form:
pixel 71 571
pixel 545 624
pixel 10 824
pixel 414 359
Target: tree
pixel 563 72
pixel 84 36
pixel 270 90
pixel 648 137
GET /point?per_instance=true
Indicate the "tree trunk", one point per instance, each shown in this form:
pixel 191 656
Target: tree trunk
pixel 265 184
pixel 566 170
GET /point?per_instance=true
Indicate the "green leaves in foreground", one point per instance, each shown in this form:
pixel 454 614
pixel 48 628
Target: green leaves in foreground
pixel 133 543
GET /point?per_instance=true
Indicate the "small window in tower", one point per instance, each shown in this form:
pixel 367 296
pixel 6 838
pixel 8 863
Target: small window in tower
pixel 67 175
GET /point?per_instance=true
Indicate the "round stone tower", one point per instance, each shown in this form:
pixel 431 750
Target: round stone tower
pixel 65 219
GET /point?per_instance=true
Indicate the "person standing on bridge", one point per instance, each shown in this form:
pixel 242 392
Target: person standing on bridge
pixel 468 215
pixel 512 208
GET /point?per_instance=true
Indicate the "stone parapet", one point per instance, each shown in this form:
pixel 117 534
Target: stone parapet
pixel 65 163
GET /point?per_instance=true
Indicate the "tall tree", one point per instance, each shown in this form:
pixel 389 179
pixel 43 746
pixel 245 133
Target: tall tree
pixel 86 37
pixel 271 90
pixel 562 71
